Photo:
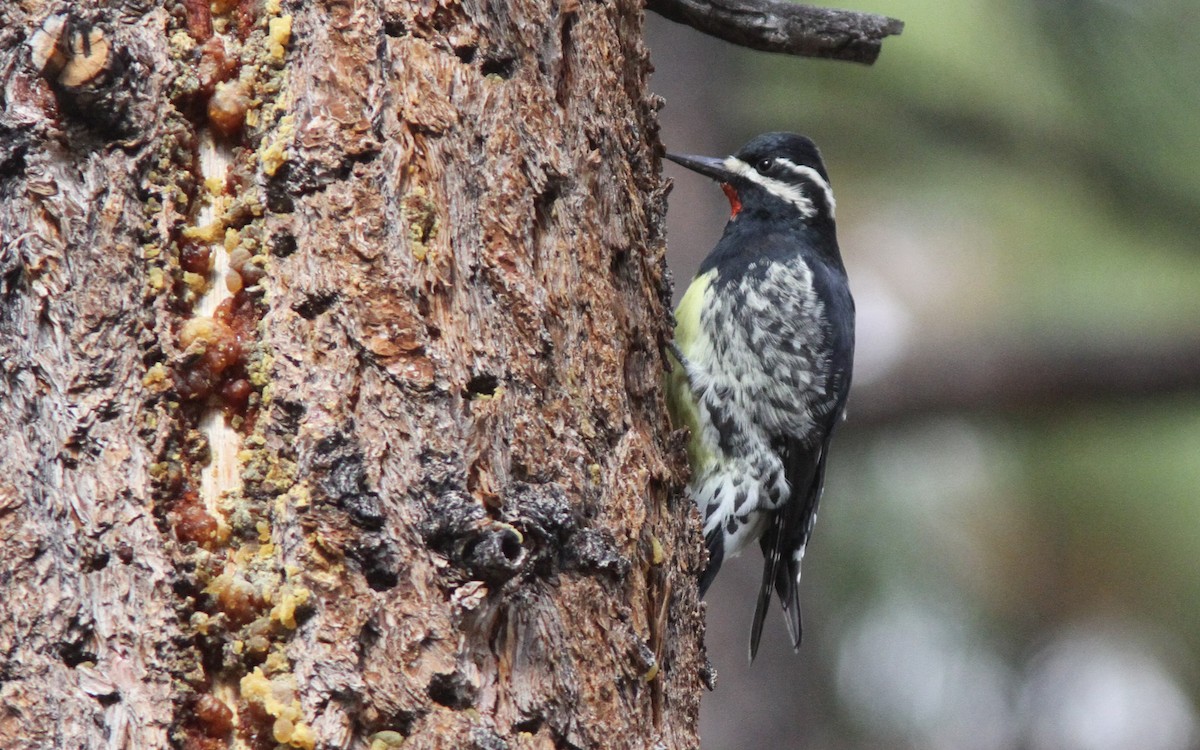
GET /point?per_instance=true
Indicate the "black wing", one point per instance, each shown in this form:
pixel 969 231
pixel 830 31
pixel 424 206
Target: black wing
pixel 804 462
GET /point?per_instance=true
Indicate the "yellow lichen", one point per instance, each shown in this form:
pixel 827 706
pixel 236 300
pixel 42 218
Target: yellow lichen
pixel 651 673
pixel 277 696
pixel 155 279
pixel 386 740
pixel 284 610
pixel 283 102
pixel 277 662
pixel 260 372
pixel 657 555
pixel 200 622
pixel 297 496
pixel 194 281
pixel 157 379
pixel 420 214
pixel 200 329
pixel 513 529
pixel 282 731
pixel 274 154
pixel 181 43
pixel 279 33
pixel 281 473
pixel 496 394
pixel 208 234
pixel 303 737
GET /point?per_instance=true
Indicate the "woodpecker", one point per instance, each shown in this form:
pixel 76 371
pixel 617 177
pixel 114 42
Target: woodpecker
pixel 764 347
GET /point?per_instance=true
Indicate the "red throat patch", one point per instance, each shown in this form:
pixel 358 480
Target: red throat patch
pixel 735 205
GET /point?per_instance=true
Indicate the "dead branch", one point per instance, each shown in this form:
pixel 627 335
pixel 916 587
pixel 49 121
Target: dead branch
pixel 792 29
pixel 1028 378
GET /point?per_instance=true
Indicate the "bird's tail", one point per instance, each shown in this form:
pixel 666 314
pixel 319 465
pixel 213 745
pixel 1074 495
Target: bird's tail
pixel 781 574
pixel 787 585
pixel 772 544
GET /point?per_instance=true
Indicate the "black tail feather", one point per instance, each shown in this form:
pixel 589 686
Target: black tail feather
pixel 787 585
pixel 716 555
pixel 806 478
pixel 772 548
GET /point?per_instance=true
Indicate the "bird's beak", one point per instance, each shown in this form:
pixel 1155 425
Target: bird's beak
pixel 708 166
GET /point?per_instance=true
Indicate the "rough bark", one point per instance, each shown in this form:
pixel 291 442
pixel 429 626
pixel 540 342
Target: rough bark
pixel 331 340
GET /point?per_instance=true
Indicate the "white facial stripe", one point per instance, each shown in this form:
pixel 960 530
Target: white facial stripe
pixel 777 188
pixel 813 176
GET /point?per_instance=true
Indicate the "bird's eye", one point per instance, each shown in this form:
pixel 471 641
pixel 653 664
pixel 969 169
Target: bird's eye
pixel 764 165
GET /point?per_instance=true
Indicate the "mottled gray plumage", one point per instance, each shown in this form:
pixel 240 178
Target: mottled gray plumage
pixel 766 337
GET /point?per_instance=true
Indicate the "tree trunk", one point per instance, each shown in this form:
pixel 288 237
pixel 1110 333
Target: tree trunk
pixel 331 343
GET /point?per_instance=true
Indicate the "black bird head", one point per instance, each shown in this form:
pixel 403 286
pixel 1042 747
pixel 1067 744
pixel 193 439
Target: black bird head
pixel 776 175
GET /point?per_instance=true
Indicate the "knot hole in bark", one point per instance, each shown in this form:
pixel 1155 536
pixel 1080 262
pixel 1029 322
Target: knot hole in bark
pixel 482 384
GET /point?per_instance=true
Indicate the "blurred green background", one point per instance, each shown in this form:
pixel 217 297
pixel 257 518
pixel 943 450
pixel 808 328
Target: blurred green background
pixel 1008 554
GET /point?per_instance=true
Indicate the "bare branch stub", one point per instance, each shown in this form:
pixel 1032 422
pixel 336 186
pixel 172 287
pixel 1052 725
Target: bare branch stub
pixel 991 376
pixel 775 26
